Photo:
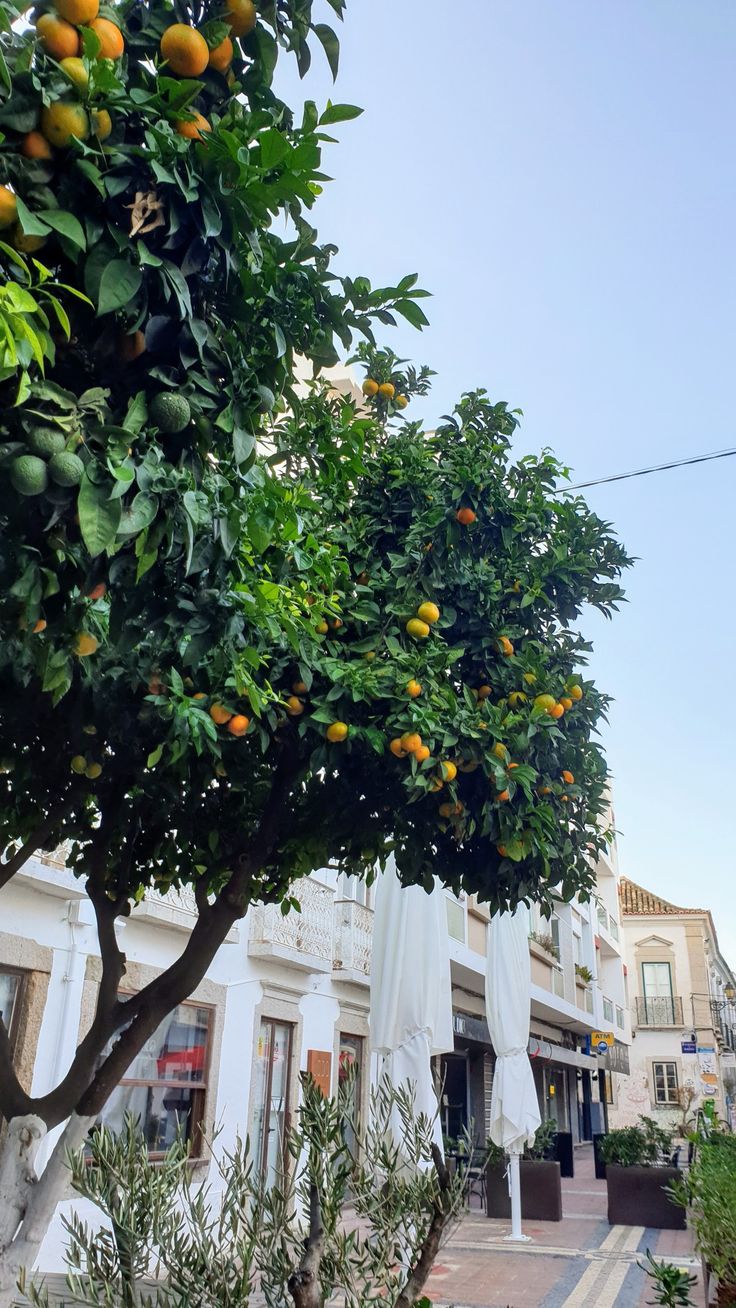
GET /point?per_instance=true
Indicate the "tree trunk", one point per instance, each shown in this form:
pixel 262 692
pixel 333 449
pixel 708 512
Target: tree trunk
pixel 27 1201
pixel 304 1284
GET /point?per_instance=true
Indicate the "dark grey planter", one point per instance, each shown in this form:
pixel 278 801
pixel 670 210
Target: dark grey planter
pixel 541 1190
pixel 636 1197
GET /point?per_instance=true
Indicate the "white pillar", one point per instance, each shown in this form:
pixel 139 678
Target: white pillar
pixel 515 1193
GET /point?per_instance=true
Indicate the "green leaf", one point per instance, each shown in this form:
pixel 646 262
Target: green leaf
pixel 412 312
pixel 119 283
pixel 330 45
pixel 339 113
pixel 274 148
pixel 99 516
pixel 32 224
pixel 137 413
pixel 139 515
pixel 155 756
pixel 66 224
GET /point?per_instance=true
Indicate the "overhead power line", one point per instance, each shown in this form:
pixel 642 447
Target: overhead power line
pixel 657 467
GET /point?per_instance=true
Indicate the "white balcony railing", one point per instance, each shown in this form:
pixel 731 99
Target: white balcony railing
pixel 303 939
pixel 352 941
pixel 613 928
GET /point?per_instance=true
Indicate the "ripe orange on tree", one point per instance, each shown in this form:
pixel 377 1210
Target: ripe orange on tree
pixel 503 796
pixel 199 695
pixel 413 689
pixel 85 644
pixel 8 207
pixel 556 711
pixel 222 55
pixel 422 754
pixel 566 702
pixel 241 16
pixel 416 628
pixel 185 50
pixel 294 706
pixel 465 517
pixel 506 646
pixel 220 714
pixel 40 626
pixel 387 390
pixel 484 691
pixel 402 401
pixel 101 124
pixel 322 628
pixel 545 702
pixel 112 43
pixel 337 732
pixel 397 748
pixel 411 741
pixel 448 770
pixel 428 612
pixel 370 387
pixel 568 778
pixel 35 146
pixel 299 688
pixel 76 70
pixel 63 120
pixel 58 38
pixel 97 591
pixel 238 725
pixel 78 11
pixel 193 128
pixel 131 346
pixel 575 692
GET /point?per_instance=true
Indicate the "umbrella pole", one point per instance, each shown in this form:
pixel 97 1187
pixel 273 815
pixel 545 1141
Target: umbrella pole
pixel 515 1193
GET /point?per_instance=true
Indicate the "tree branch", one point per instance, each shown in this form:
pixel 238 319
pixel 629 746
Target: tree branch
pixel 441 1213
pixel 37 840
pixel 14 1101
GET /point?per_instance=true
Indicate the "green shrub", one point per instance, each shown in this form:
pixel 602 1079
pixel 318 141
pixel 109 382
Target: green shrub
pixel 710 1193
pixel 644 1145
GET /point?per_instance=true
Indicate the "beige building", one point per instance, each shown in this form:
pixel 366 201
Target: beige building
pixel 683 1014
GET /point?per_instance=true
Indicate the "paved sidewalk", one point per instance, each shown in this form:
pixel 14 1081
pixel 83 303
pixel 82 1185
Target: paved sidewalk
pixel 580 1262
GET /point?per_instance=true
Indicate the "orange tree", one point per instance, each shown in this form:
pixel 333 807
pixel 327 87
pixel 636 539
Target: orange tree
pixel 246 627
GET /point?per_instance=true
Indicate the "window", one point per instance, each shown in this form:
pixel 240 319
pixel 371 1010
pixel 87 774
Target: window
pixel 350 1068
pixel 455 919
pixel 664 1076
pixel 659 1005
pixel 271 1099
pixel 166 1084
pixel 607 1010
pixel 554 930
pixel 619 1016
pixel 577 949
pixel 11 989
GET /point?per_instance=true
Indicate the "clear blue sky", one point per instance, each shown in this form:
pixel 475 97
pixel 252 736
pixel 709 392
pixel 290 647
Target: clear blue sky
pixel 561 175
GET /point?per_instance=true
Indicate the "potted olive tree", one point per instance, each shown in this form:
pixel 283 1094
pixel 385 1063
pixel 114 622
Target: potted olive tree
pixel 638 1170
pixel 541 1187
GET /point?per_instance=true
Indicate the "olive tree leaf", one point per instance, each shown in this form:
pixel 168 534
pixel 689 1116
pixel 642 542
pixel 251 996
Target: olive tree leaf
pixel 119 283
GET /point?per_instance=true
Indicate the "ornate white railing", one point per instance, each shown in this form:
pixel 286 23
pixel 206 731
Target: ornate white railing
pixel 304 938
pixel 353 938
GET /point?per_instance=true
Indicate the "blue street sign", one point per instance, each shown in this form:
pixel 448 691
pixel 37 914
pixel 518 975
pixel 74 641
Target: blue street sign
pixel 688 1047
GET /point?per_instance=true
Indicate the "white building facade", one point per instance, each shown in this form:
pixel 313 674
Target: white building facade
pixel 683 1013
pixel 291 994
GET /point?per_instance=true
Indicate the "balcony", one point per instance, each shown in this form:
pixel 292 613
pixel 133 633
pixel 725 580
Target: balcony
pixel 659 1011
pixel 353 941
pixel 303 939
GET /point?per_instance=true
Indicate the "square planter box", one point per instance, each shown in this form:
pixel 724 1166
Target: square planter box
pixel 541 1191
pixel 636 1197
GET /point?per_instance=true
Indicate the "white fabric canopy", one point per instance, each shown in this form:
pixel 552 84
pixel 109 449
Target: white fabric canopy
pixel 411 1003
pixel 514 1108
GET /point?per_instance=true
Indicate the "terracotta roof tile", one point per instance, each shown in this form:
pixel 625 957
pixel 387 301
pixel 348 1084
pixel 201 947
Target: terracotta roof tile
pixel 640 902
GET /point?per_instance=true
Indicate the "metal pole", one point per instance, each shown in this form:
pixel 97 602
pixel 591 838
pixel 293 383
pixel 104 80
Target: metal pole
pixel 515 1193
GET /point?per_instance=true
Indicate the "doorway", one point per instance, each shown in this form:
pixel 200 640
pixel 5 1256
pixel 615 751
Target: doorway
pixel 272 1091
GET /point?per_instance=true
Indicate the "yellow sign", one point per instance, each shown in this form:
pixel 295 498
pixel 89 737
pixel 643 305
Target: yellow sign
pixel 602 1038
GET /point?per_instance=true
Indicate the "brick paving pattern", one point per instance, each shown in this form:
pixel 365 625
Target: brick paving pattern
pixel 580 1262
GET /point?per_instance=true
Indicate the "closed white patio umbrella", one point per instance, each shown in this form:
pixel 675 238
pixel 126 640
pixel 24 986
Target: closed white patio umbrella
pixel 514 1108
pixel 411 1004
